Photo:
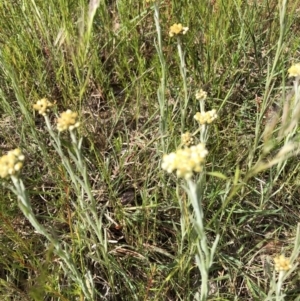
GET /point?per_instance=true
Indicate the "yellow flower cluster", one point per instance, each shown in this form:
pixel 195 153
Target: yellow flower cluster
pixel 294 70
pixel 187 139
pixel 11 163
pixel 201 95
pixel 177 29
pixel 185 161
pixel 67 121
pixel 282 263
pixel 43 106
pixel 206 117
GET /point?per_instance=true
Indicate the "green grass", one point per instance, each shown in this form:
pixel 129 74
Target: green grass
pixel 110 73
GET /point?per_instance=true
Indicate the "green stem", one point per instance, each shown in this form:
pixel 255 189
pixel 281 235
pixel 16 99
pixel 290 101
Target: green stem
pixel 184 81
pixel 268 87
pixel 26 208
pixel 162 87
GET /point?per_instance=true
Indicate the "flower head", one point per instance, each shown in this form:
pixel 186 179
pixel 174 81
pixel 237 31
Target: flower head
pixel 43 106
pixel 177 29
pixel 187 139
pixel 206 117
pixel 11 163
pixel 294 70
pixel 201 95
pixel 185 161
pixel 67 121
pixel 282 263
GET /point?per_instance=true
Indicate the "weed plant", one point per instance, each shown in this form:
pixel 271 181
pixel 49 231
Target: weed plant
pixel 149 150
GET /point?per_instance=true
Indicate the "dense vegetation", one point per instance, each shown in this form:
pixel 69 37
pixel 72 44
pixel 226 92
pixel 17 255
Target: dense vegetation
pixel 90 214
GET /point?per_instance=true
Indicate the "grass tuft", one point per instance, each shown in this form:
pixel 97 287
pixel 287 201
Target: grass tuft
pixel 92 215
